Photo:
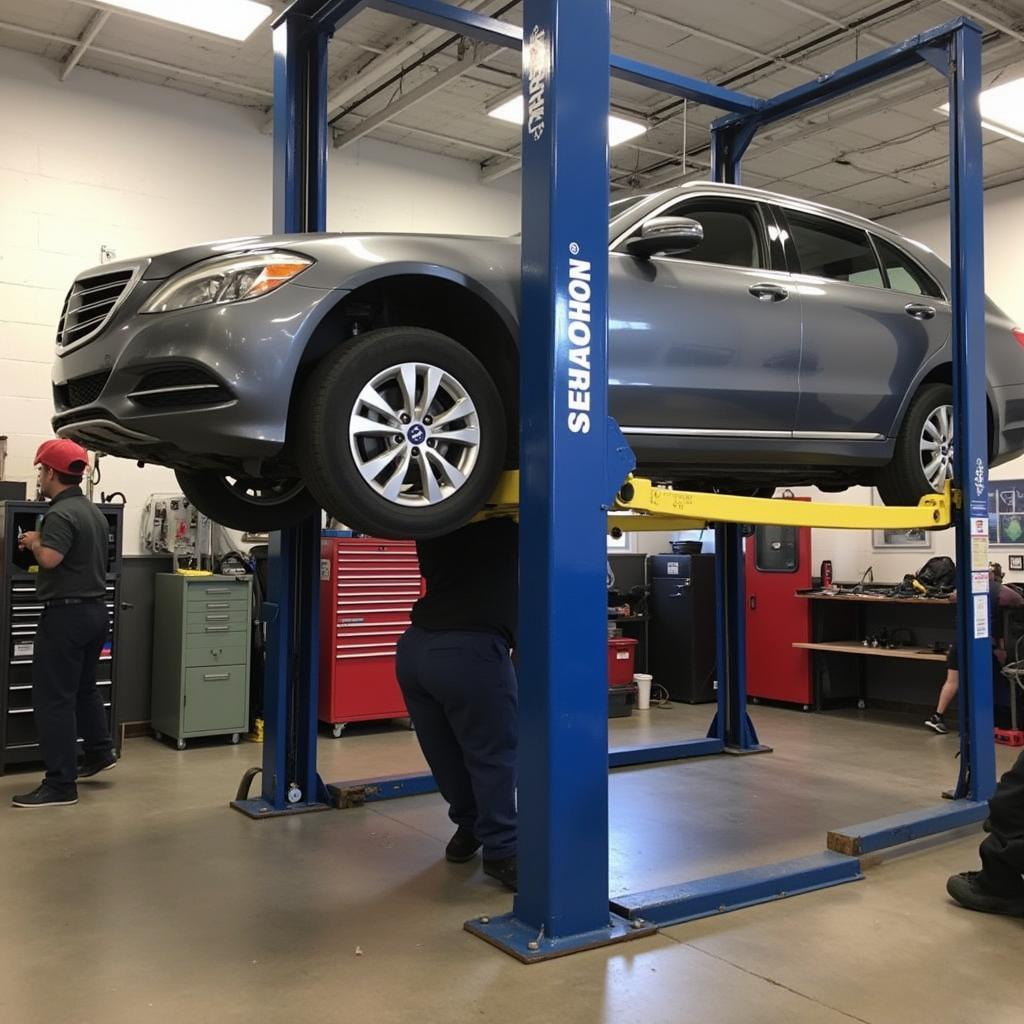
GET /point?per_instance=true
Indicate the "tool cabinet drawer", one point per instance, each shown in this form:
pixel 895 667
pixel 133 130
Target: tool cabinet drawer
pixel 235 619
pixel 215 699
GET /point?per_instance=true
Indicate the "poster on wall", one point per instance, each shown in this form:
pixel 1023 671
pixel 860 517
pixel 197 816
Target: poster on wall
pixel 897 540
pixel 1006 513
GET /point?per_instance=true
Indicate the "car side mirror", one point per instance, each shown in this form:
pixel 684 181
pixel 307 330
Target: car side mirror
pixel 666 235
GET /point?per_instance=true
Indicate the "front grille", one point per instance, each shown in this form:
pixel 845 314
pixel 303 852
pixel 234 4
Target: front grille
pixel 80 391
pixel 179 386
pixel 89 305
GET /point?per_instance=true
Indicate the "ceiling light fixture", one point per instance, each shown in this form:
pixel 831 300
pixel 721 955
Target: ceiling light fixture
pixel 234 19
pixel 619 128
pixel 1002 109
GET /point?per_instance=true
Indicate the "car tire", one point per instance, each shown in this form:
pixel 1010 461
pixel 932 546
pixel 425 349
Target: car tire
pixel 242 503
pixel 929 420
pixel 377 459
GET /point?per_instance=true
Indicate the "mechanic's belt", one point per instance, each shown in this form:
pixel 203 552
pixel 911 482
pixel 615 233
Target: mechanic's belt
pixel 59 602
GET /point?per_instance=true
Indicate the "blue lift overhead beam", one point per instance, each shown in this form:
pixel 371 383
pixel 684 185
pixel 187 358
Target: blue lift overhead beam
pixel 563 902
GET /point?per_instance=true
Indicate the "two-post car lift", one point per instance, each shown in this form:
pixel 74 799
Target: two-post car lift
pixel 570 481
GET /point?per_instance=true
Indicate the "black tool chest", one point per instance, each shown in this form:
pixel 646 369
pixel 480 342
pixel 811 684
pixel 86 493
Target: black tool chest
pixel 20 610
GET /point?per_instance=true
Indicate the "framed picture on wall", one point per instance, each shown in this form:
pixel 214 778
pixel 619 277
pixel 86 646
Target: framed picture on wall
pixel 1016 563
pixel 898 540
pixel 1006 513
pixel 621 543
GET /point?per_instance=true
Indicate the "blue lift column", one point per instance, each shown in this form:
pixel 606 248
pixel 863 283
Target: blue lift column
pixel 967 260
pixel 731 724
pixel 290 783
pixel 562 903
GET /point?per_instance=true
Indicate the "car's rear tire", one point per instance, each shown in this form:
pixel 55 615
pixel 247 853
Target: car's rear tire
pixel 392 463
pixel 246 503
pixel 922 459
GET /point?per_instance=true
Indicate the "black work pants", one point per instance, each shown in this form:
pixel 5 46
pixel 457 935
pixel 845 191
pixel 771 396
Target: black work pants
pixel 460 690
pixel 1002 850
pixel 67 702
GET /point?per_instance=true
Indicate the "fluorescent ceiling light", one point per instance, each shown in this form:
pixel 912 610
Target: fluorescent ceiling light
pixel 235 19
pixel 1002 109
pixel 619 129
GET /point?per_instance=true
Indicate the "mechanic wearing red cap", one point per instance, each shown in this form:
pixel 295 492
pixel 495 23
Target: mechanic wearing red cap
pixel 71 549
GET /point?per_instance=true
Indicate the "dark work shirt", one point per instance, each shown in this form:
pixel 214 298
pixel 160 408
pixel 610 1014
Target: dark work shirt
pixel 472 579
pixel 76 528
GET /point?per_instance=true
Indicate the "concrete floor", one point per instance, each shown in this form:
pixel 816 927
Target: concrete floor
pixel 151 901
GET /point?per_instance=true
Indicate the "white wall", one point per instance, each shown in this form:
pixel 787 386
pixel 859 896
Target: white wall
pixel 851 551
pixel 99 160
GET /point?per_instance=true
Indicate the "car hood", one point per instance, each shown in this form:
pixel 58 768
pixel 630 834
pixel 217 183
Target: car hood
pixel 321 246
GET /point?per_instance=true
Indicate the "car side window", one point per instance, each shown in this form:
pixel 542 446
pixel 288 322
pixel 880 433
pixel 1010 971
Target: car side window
pixel 837 251
pixel 732 235
pixel 903 273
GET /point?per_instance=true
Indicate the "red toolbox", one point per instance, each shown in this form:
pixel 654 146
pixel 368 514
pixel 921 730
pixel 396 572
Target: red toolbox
pixel 621 660
pixel 367 590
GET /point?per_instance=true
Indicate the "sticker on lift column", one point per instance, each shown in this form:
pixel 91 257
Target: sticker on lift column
pixel 979 581
pixel 980 617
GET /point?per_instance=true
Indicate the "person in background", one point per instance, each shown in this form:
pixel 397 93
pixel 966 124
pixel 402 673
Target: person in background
pixel 456 674
pixel 1000 596
pixel 70 548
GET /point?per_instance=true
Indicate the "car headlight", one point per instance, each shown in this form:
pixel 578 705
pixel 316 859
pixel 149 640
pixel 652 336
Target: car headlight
pixel 226 279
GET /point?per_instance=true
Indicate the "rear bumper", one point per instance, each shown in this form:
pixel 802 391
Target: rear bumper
pixel 1008 412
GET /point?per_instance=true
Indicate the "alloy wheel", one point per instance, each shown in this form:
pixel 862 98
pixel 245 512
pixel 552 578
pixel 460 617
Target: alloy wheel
pixel 414 433
pixel 937 447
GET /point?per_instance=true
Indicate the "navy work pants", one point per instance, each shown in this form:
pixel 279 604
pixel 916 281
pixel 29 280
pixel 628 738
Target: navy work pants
pixel 67 702
pixel 460 690
pixel 1002 850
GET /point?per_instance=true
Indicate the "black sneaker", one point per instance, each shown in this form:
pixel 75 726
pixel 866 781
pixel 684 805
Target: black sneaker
pixel 504 870
pixel 46 796
pixel 462 846
pixel 969 891
pixel 91 768
pixel 937 722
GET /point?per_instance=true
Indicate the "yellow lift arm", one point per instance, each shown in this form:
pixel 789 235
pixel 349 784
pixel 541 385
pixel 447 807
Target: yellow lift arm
pixel 642 506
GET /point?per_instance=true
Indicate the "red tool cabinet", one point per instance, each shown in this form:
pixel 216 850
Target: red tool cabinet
pixel 367 590
pixel 778 563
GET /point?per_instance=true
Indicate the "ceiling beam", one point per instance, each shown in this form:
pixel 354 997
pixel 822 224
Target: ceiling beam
pixel 96 22
pixel 474 56
pixel 407 48
pixel 985 18
pixel 731 44
pixel 146 62
pixel 835 22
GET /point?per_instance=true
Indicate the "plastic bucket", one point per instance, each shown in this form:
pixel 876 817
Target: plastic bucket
pixel 643 683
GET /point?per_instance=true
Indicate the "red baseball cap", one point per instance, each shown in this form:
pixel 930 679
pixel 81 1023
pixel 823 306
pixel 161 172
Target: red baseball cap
pixel 63 455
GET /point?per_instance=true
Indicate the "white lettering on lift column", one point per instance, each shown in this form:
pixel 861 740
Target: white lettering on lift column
pixel 579 343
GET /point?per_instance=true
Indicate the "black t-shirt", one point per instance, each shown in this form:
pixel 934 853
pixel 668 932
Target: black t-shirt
pixel 472 579
pixel 76 528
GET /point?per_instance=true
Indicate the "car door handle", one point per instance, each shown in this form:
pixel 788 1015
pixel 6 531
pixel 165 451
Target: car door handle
pixel 919 311
pixel 768 292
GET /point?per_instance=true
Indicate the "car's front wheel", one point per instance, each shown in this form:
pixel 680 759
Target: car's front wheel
pixel 402 433
pixel 247 503
pixel 922 460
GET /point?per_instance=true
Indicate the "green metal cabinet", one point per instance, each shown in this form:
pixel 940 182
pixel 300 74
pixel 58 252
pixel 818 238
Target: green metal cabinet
pixel 201 635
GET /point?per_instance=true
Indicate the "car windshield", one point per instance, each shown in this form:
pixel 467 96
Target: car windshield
pixel 617 207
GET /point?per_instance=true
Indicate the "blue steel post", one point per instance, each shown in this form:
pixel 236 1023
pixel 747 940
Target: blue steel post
pixel 966 212
pixel 562 903
pixel 563 714
pixel 732 724
pixel 289 779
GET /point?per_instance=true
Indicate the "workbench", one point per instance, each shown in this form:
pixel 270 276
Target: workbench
pixel 846 672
